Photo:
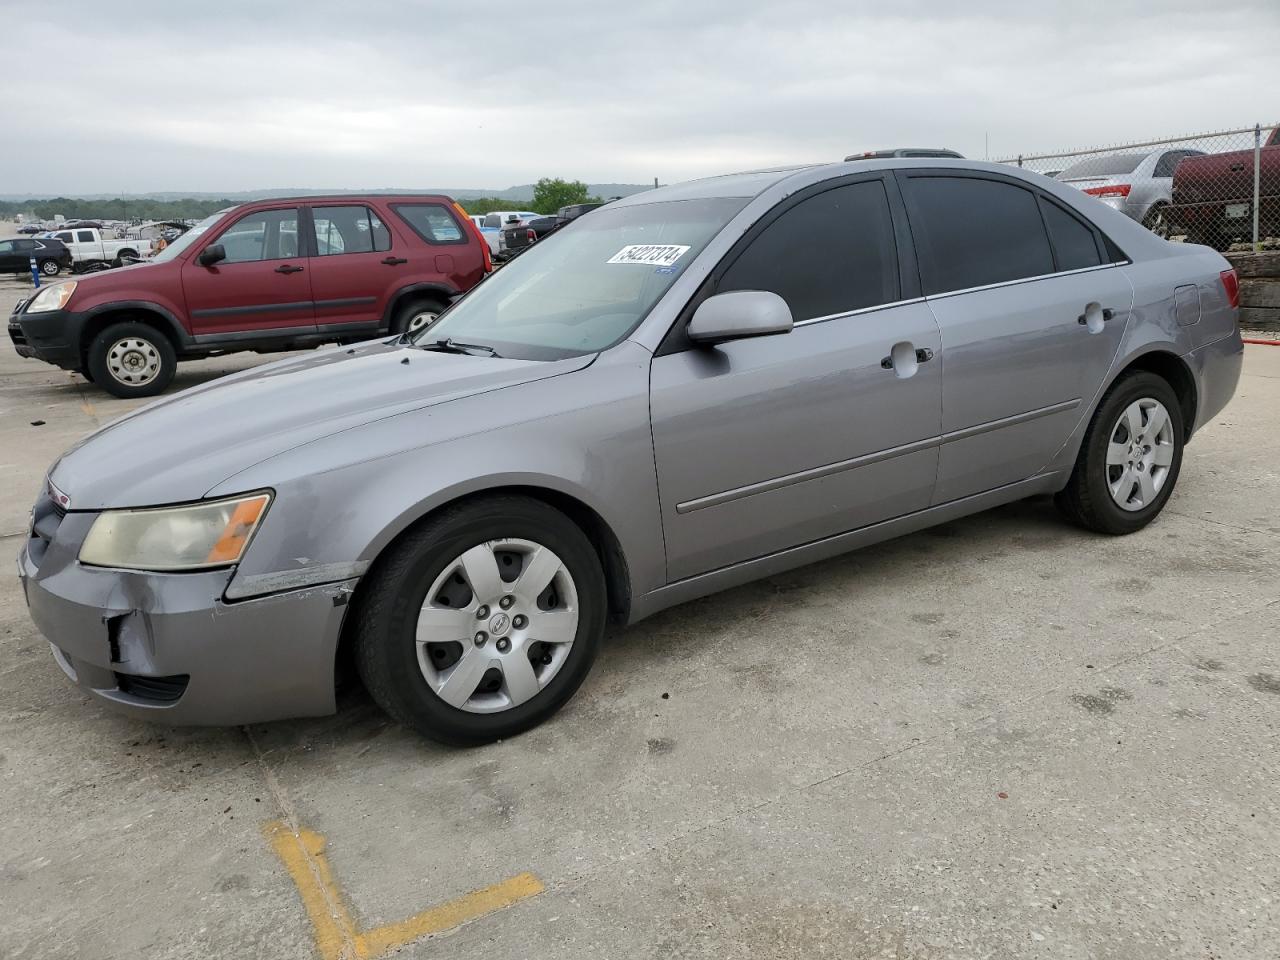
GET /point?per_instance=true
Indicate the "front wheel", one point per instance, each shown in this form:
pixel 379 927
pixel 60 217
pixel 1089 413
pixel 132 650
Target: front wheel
pixel 482 622
pixel 50 268
pixel 132 360
pixel 1130 458
pixel 412 317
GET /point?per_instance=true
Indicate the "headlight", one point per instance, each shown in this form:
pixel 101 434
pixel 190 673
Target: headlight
pixel 193 537
pixel 52 298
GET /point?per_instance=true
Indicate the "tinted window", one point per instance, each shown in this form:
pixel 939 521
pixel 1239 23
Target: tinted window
pixel 265 235
pixel 1167 163
pixel 25 245
pixel 64 237
pixel 1073 244
pixel 492 220
pixel 829 254
pixel 85 236
pixel 1108 165
pixel 432 222
pixel 971 232
pixel 349 229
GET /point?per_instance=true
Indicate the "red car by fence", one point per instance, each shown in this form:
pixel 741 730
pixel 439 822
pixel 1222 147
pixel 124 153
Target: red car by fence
pixel 1213 195
pixel 264 276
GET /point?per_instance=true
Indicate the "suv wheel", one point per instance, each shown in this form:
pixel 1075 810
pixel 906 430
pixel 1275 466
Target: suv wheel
pixel 132 360
pixel 1130 458
pixel 482 622
pixel 50 268
pixel 412 317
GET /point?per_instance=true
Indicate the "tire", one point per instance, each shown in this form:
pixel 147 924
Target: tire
pixel 1103 466
pixel 410 680
pixel 1157 222
pixel 413 316
pixel 132 360
pixel 124 257
pixel 50 268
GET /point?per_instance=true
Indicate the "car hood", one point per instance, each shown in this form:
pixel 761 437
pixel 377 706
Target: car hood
pixel 180 447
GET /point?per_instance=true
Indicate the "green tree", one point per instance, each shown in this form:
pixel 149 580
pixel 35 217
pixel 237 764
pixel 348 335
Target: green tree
pixel 549 194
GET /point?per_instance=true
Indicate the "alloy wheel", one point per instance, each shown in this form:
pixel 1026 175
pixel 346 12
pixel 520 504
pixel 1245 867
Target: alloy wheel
pixel 423 318
pixel 497 625
pixel 1139 454
pixel 133 361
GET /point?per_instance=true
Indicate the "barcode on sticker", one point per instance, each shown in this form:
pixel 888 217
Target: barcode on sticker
pixel 650 254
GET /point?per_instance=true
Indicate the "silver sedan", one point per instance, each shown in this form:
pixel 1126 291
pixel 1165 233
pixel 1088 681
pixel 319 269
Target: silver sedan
pixel 1139 185
pixel 689 389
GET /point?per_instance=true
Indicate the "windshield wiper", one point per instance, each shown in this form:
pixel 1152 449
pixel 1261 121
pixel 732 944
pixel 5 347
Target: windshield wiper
pixel 450 345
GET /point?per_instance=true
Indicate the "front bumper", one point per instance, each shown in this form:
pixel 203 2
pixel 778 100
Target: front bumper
pixel 167 647
pixel 52 336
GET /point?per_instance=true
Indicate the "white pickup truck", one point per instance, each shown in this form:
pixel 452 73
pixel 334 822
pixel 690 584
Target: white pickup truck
pixel 88 245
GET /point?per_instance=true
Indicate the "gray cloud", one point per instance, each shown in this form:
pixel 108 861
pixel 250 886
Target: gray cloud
pixel 170 96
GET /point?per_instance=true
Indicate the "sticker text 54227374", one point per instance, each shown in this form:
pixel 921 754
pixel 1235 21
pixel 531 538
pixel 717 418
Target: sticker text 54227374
pixel 650 254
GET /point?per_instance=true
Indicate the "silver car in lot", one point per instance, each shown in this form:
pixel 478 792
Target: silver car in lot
pixel 1139 185
pixel 689 389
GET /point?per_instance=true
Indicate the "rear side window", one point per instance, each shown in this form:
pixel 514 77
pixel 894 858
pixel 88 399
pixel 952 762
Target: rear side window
pixel 971 232
pixel 84 236
pixel 349 229
pixel 1074 246
pixel 492 221
pixel 829 254
pixel 432 222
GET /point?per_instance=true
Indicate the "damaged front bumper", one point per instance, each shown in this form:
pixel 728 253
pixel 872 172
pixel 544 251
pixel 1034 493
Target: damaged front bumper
pixel 169 647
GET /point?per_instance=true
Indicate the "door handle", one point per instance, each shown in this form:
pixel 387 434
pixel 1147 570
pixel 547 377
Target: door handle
pixel 904 358
pixel 1237 167
pixel 288 268
pixel 394 261
pixel 1107 314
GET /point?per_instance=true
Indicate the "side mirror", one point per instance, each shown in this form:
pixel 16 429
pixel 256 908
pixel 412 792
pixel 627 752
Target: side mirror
pixel 739 314
pixel 214 253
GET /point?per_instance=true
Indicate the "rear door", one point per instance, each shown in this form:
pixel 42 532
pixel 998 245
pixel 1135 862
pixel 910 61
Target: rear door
pixel 1030 326
pixel 261 289
pixel 355 264
pixel 766 443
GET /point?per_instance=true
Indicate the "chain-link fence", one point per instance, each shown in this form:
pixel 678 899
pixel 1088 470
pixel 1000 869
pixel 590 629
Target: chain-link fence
pixel 1215 188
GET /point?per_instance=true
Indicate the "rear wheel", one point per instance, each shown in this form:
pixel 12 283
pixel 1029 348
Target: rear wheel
pixel 413 316
pixel 1130 458
pixel 50 268
pixel 482 622
pixel 126 257
pixel 132 360
pixel 1157 222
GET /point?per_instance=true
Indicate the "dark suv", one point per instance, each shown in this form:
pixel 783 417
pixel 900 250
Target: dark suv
pixel 51 256
pixel 264 276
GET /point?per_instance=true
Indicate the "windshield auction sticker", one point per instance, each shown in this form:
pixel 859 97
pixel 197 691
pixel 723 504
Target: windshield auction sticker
pixel 650 254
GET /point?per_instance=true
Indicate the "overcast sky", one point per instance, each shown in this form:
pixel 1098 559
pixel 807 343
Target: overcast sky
pixel 229 95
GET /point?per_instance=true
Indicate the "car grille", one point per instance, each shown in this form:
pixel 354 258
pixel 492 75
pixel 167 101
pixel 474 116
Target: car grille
pixel 157 689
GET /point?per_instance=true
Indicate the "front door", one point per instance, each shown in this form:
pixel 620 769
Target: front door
pixel 1031 318
pixel 261 288
pixel 764 444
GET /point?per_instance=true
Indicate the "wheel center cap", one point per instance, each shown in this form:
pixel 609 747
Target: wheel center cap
pixel 499 624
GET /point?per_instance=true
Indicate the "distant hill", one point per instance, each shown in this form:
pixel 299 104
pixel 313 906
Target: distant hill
pixel 521 192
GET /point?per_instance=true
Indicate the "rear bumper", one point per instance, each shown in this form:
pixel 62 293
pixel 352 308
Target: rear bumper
pixel 52 336
pixel 168 648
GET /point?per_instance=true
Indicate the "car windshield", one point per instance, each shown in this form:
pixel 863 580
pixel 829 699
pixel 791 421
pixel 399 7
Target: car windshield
pixel 185 241
pixel 1108 166
pixel 587 286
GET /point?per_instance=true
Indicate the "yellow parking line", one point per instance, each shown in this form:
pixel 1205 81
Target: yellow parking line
pixel 336 935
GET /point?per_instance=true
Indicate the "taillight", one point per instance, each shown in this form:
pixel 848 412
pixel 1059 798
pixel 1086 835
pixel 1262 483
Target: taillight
pixel 1114 190
pixel 1231 284
pixel 530 235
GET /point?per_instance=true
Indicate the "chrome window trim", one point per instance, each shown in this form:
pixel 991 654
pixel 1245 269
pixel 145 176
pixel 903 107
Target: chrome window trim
pixel 858 312
pixel 1021 280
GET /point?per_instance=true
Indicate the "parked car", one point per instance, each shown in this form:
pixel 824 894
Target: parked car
pixel 1139 185
pixel 518 238
pixel 695 387
pixel 88 246
pixel 264 276
pixel 917 152
pixel 575 210
pixel 496 222
pixel 1213 195
pixel 51 256
pixel 29 229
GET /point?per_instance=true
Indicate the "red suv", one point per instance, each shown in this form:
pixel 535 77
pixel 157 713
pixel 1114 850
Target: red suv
pixel 263 276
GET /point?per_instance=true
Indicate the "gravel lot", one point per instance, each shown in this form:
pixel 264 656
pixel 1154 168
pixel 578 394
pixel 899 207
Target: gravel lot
pixel 999 738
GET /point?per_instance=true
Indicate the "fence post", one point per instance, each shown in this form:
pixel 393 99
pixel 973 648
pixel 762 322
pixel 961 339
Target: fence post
pixel 1257 177
pixel 1019 159
pixel 35 273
